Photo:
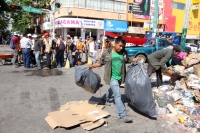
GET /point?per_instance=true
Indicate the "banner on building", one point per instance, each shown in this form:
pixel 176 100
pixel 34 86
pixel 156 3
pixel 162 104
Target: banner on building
pixel 115 26
pixel 79 23
pixel 160 9
pixel 141 8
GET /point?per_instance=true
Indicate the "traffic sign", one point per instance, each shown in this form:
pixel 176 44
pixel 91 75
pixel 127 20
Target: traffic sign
pixel 31 9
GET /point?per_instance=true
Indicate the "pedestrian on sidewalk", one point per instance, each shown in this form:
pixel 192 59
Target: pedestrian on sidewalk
pixel 60 53
pixel 48 45
pixel 38 50
pixel 92 50
pixel 114 75
pixel 26 50
pixel 16 43
pixel 86 47
pixel 79 51
pixel 32 56
pixel 69 50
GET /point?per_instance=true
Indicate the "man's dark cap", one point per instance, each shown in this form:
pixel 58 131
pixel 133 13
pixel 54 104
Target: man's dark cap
pixel 57 35
pixel 177 48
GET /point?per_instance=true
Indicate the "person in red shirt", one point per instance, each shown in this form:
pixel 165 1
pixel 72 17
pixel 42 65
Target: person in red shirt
pixel 16 42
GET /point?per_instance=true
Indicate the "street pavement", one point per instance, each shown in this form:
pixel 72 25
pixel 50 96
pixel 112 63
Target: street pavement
pixel 27 95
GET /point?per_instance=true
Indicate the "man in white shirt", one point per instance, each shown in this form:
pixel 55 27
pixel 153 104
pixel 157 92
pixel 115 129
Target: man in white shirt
pixel 92 50
pixel 26 48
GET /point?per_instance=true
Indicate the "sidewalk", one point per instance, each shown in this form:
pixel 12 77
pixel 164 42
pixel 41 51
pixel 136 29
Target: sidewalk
pixel 5 49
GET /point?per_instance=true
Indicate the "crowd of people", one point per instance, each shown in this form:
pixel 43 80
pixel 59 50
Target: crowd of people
pixel 31 49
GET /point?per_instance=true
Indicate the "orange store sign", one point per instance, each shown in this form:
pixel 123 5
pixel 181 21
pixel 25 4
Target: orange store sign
pixel 194 26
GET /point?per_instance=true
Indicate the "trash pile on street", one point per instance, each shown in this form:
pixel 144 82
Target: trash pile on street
pixel 87 114
pixel 179 105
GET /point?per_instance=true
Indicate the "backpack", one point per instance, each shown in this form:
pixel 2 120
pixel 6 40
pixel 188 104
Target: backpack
pixel 12 45
pixel 73 47
pixel 62 46
pixel 53 44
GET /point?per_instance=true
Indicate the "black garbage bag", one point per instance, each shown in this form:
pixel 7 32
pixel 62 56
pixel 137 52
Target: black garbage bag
pixel 87 79
pixel 138 89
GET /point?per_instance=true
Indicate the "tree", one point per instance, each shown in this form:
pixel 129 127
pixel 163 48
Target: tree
pixel 22 20
pixel 4 16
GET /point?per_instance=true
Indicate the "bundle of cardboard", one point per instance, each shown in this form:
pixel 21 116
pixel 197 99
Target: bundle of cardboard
pixel 88 116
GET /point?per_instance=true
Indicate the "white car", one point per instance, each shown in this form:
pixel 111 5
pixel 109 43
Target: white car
pixel 193 46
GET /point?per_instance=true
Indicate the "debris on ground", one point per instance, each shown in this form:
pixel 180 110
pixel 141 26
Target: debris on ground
pixel 179 104
pixel 88 115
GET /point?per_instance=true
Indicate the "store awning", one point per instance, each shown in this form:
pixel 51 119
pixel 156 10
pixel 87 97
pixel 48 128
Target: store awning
pixel 137 41
pixel 110 34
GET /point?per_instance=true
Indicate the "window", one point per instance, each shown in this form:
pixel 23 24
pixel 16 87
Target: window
pixel 120 7
pixel 97 4
pixel 90 4
pixel 177 5
pixel 70 3
pixel 81 3
pixel 76 3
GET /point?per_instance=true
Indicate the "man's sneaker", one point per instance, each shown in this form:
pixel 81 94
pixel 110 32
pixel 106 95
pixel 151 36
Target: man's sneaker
pixel 38 68
pixel 16 66
pixel 126 119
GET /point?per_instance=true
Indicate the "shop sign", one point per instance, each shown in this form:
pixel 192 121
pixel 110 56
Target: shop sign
pixel 160 7
pixel 196 6
pixel 115 26
pixel 194 26
pixel 79 23
pixel 141 8
pixel 46 26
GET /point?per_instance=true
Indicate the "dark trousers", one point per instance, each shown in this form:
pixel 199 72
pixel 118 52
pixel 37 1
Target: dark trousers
pixel 60 58
pixel 32 59
pixel 26 57
pixel 48 55
pixel 151 70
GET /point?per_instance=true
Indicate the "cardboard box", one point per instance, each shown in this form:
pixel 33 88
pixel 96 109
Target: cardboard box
pixel 197 70
pixel 64 118
pixel 193 61
pixel 89 111
pixel 92 125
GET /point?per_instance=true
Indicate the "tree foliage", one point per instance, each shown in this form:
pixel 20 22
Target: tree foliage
pixel 22 20
pixel 4 16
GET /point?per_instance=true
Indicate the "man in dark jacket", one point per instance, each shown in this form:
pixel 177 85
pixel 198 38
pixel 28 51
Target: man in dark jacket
pixel 60 53
pixel 158 60
pixel 115 70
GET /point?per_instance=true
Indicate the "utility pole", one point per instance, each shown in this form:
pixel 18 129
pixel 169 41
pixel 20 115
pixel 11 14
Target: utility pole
pixel 185 23
pixel 155 18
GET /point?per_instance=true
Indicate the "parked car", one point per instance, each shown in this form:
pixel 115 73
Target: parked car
pixel 193 47
pixel 144 51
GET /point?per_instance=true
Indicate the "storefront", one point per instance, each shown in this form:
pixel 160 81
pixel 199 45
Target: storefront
pixel 77 27
pixel 45 26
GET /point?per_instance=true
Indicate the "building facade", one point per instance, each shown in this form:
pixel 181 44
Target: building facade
pixel 86 17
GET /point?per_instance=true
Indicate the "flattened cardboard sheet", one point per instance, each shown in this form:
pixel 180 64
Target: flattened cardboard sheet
pixel 91 112
pixel 92 125
pixel 64 118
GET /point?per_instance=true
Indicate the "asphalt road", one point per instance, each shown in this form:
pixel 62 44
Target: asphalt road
pixel 26 96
